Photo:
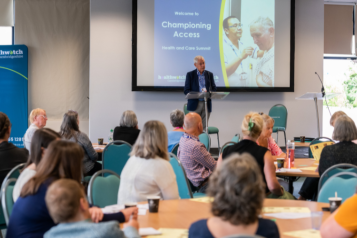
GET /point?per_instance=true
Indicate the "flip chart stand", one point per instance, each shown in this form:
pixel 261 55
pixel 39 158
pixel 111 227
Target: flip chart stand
pixel 206 95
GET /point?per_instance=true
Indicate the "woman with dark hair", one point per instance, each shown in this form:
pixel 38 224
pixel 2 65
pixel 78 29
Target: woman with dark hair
pixel 40 141
pixel 238 192
pixel 70 131
pixel 30 217
pixel 10 155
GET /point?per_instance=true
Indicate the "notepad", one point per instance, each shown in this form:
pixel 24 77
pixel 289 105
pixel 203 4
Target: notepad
pixel 286 210
pixel 171 233
pixel 309 168
pixel 148 231
pixel 203 199
pixel 288 215
pixel 283 170
pixel 304 233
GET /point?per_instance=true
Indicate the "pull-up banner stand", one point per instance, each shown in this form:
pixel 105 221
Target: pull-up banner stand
pixel 14 89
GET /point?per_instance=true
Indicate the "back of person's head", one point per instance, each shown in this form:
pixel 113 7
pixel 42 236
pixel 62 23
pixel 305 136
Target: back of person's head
pixel 63 199
pixel 335 116
pixel 252 125
pixel 152 141
pixel 238 190
pixel 34 113
pixel 193 122
pixel 345 129
pixel 128 119
pixel 63 159
pixel 4 125
pixel 40 141
pixel 176 118
pixel 267 119
pixel 69 125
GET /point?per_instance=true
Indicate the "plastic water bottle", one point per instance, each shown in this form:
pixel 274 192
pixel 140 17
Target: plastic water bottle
pixel 290 154
pixel 110 137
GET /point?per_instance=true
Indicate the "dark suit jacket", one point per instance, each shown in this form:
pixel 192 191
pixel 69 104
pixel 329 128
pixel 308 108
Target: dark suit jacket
pixel 192 85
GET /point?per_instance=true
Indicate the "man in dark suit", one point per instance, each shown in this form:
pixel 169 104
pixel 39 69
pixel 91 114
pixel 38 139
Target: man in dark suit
pixel 199 80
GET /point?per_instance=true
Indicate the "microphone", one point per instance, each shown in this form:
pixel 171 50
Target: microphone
pixel 322 89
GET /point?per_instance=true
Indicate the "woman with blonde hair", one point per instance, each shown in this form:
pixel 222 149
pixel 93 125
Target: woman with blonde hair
pixel 238 192
pixel 38 120
pixel 148 171
pixel 266 140
pixel 252 126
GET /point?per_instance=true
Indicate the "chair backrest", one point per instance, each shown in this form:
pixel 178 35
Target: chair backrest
pixel 7 202
pixel 316 141
pixel 280 115
pixel 229 143
pixel 335 169
pixel 115 155
pixel 236 138
pixel 181 178
pixel 206 140
pixel 185 109
pixel 14 173
pixel 175 149
pixel 103 191
pixel 345 188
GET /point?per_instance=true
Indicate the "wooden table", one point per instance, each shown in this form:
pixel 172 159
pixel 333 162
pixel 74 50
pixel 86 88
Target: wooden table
pixel 299 144
pixel 182 213
pixel 101 147
pixel 301 163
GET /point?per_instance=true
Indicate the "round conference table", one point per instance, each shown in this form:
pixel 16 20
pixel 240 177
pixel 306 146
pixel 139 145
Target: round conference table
pixel 180 214
pixel 308 169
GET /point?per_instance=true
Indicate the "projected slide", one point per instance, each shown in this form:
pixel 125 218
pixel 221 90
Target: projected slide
pixel 245 43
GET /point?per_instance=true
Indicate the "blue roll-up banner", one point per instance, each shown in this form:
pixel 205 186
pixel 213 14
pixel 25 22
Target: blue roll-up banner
pixel 14 89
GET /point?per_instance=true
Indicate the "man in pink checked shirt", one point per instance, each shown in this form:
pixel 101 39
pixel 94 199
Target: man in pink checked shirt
pixel 196 160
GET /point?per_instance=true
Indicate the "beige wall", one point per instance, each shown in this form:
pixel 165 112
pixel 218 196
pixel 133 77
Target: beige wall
pixel 110 77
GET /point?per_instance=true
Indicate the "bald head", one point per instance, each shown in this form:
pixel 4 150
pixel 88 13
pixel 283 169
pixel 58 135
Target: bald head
pixel 193 124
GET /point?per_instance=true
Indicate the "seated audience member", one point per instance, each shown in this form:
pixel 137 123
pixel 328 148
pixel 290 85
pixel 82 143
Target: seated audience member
pixel 38 119
pixel 196 160
pixel 251 128
pixel 176 119
pixel 342 223
pixel 70 131
pixel 238 192
pixel 266 140
pixel 40 141
pixel 30 216
pixel 68 206
pixel 335 116
pixel 148 171
pixel 345 151
pixel 128 128
pixel 10 155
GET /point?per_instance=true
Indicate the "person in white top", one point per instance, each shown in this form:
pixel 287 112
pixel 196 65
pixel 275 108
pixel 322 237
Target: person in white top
pixel 235 54
pixel 40 141
pixel 148 171
pixel 263 32
pixel 38 119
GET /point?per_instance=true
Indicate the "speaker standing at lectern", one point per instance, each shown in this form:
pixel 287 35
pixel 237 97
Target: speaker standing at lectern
pixel 199 80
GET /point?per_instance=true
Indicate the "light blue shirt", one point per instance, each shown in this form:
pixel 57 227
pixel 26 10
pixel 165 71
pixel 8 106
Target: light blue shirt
pixel 88 229
pixel 201 82
pixel 174 138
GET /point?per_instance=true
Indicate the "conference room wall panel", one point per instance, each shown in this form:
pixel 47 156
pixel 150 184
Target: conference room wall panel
pixel 110 77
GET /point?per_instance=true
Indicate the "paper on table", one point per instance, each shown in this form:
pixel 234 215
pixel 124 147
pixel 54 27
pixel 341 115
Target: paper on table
pixel 282 170
pixel 309 168
pixel 203 199
pixel 143 206
pixel 288 215
pixel 171 233
pixel 286 210
pixel 148 231
pixel 304 233
pixel 142 212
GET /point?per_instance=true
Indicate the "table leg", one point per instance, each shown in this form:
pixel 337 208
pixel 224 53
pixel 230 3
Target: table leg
pixel 291 186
